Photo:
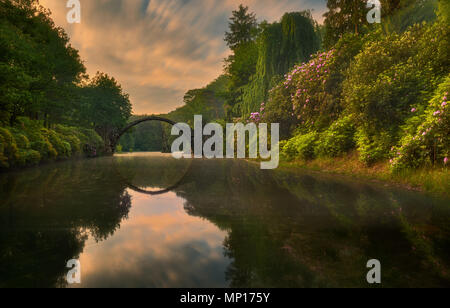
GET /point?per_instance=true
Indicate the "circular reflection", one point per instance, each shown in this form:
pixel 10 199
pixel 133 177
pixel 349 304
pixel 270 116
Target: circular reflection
pixel 140 171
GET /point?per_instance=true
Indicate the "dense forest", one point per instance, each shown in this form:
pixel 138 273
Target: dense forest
pixel 347 86
pixel 50 109
pixel 378 91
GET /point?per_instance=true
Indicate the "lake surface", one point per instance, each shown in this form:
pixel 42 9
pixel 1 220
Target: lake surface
pixel 148 220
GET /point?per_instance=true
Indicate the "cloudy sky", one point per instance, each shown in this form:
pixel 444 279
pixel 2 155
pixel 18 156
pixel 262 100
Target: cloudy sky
pixel 159 49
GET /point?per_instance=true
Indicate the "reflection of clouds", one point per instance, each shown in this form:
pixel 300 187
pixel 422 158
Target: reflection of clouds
pixel 159 49
pixel 159 246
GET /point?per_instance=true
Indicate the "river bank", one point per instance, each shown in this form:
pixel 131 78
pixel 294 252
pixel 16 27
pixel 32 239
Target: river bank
pixel 28 143
pixel 433 181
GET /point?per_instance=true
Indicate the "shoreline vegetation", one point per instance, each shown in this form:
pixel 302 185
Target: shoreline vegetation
pixel 434 181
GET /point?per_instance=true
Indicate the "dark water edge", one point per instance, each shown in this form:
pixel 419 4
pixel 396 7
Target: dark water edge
pixel 224 223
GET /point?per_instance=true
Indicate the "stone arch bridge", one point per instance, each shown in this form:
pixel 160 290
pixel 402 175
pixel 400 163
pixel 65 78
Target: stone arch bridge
pixel 115 136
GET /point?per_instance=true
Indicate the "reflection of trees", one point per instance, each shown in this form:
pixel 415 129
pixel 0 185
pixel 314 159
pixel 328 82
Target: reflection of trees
pixel 46 215
pixel 284 230
pixel 287 230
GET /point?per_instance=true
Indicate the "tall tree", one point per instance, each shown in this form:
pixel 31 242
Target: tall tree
pixel 241 65
pixel 243 28
pixel 343 16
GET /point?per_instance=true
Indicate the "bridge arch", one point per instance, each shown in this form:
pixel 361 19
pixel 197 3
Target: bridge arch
pixel 114 140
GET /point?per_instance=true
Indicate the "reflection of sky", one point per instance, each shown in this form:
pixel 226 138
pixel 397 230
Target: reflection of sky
pixel 158 246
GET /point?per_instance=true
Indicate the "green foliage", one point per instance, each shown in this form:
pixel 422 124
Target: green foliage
pixel 146 137
pixel 105 105
pixel 22 141
pixel 92 144
pixel 70 135
pixel 3 158
pixel 38 66
pixel 243 28
pixel 444 11
pixel 343 16
pixel 338 139
pixel 409 13
pixel 280 46
pixel 372 147
pixel 208 102
pixel 27 158
pixel 427 134
pixel 394 73
pixel 9 145
pixel 313 90
pixel 301 146
pixel 28 143
pixel 45 149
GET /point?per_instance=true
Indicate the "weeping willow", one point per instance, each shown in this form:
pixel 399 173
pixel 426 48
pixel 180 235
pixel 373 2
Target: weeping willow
pixel 281 45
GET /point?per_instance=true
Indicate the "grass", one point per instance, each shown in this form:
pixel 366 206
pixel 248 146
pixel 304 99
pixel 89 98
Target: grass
pixel 429 180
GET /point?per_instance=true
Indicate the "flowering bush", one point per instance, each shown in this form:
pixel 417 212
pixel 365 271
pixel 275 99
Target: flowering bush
pixel 309 97
pixel 257 117
pixel 429 142
pixel 310 104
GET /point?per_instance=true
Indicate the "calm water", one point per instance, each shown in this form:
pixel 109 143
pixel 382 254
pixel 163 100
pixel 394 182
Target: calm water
pixel 148 220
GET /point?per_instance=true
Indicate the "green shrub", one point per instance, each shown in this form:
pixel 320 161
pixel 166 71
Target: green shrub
pixel 70 135
pixel 62 148
pixel 394 74
pixel 92 144
pixel 9 146
pixel 3 158
pixel 45 149
pixel 32 157
pixel 27 158
pixel 337 139
pixel 22 141
pixel 74 142
pixel 372 147
pixel 301 146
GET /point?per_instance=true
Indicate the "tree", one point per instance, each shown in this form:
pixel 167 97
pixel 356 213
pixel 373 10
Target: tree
pixel 243 28
pixel 105 106
pixel 280 45
pixel 38 65
pixel 343 16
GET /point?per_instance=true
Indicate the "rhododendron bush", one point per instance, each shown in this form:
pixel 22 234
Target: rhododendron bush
pixel 308 104
pixel 429 142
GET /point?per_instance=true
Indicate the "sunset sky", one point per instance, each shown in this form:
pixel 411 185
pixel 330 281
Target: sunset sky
pixel 159 49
